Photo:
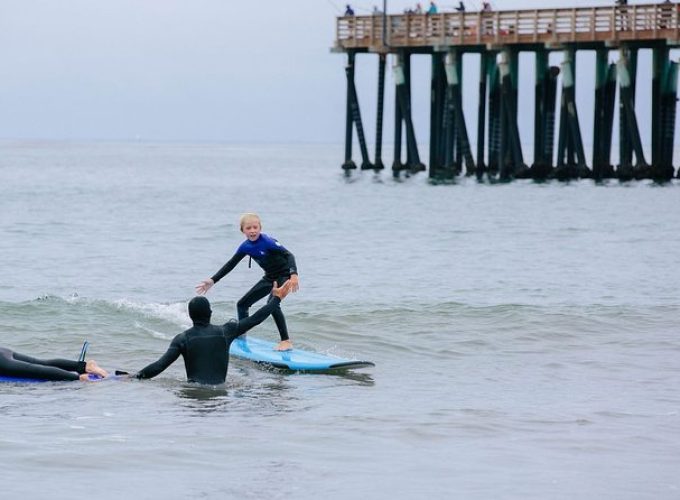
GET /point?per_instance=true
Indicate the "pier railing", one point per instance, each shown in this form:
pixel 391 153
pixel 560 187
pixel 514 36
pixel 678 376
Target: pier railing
pixel 591 24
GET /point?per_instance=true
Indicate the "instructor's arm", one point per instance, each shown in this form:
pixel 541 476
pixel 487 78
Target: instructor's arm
pixel 163 362
pixel 263 312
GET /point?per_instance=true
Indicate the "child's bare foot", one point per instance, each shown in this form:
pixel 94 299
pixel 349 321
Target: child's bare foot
pixel 284 345
pixel 91 366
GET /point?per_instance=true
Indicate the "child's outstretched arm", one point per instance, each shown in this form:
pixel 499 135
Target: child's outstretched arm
pixel 205 285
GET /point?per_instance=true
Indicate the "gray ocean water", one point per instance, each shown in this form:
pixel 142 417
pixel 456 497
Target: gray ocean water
pixel 525 335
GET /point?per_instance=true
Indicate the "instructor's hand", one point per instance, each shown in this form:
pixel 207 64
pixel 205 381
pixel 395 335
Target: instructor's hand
pixel 203 287
pixel 281 291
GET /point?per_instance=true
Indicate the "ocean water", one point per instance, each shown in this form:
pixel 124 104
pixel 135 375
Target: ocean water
pixel 525 335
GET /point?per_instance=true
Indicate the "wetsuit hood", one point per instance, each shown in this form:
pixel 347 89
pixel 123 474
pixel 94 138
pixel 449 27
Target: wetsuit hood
pixel 199 311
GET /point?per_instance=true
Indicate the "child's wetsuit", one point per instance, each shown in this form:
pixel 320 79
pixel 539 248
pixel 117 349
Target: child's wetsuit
pixel 278 264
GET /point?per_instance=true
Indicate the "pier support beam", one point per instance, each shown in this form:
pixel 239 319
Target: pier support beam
pixel 664 99
pixel 454 69
pixel 494 146
pixel 669 100
pixel 544 117
pixel 353 117
pixel 630 135
pixel 571 158
pixel 378 165
pixel 485 65
pixel 605 92
pixel 510 156
pixel 448 126
pixel 399 79
pixel 402 79
pixel 438 117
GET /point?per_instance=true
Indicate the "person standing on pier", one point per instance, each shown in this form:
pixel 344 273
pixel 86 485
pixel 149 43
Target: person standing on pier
pixel 278 264
pixel 623 13
pixel 348 10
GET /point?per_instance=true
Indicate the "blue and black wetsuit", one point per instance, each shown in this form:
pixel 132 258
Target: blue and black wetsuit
pixel 204 346
pixel 278 265
pixel 13 364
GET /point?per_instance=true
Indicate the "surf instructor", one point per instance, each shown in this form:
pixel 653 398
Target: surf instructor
pixel 204 346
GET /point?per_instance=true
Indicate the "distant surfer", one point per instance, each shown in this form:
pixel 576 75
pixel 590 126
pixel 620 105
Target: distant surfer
pixel 278 265
pixel 14 364
pixel 205 347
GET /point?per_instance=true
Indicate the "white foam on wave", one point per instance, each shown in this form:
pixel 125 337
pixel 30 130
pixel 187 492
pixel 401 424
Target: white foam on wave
pixel 173 313
pixel 154 333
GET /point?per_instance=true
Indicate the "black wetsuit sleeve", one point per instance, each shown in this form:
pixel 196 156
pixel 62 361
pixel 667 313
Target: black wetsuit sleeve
pixel 292 267
pixel 164 361
pixel 234 329
pixel 225 269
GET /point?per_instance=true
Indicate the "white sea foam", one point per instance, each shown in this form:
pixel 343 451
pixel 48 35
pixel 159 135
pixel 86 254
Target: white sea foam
pixel 173 313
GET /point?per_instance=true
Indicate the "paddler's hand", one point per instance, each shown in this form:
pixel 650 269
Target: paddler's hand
pixel 281 291
pixel 203 287
pixel 294 283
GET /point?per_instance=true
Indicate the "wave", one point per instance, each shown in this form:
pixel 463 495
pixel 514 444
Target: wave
pixel 447 330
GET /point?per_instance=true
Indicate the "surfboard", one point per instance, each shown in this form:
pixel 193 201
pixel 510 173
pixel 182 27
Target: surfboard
pixel 262 352
pixel 93 378
pixel 20 380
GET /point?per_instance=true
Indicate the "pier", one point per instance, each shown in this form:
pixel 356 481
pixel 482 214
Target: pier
pixel 497 38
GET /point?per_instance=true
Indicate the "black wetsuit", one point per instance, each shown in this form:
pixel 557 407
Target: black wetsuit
pixel 278 264
pixel 13 364
pixel 204 346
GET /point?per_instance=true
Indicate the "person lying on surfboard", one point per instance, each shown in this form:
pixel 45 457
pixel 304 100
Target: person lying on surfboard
pixel 278 265
pixel 14 364
pixel 204 346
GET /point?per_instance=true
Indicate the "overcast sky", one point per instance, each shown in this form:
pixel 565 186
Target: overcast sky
pixel 213 70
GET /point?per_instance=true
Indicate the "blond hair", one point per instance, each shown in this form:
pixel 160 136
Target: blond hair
pixel 249 216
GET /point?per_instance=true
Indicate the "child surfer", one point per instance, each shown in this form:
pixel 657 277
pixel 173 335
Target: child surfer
pixel 278 265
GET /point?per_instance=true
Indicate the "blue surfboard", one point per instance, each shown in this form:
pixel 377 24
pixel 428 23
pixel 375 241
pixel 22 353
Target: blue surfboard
pixel 20 380
pixel 262 352
pixel 24 380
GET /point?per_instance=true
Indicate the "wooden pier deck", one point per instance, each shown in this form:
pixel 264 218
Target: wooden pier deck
pixel 495 150
pixel 632 23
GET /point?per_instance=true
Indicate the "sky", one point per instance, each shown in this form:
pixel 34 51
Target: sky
pixel 199 70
